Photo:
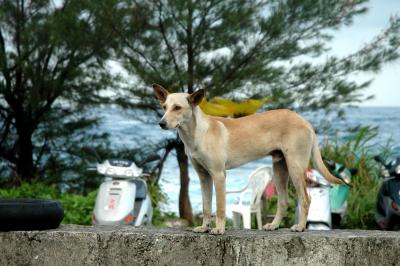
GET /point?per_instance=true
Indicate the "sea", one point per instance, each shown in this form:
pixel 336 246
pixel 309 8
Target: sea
pixel 130 129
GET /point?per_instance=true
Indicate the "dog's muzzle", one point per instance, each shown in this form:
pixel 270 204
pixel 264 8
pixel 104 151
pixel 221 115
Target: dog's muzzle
pixel 163 124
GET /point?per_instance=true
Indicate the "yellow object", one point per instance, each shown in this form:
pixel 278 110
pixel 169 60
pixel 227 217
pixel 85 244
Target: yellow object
pixel 224 107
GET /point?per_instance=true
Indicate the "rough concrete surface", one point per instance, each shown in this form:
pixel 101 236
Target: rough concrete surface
pixel 87 245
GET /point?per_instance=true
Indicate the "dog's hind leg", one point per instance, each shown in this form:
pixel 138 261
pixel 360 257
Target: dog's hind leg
pixel 297 171
pixel 206 191
pixel 280 178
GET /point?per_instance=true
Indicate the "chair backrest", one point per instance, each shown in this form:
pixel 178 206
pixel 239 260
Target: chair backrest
pixel 257 182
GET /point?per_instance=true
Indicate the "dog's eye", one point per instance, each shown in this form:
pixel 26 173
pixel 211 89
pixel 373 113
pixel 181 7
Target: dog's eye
pixel 164 107
pixel 177 108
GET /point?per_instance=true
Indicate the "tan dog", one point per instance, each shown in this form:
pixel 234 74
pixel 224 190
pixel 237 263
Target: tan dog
pixel 215 144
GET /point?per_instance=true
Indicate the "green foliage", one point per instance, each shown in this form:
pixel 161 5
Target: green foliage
pixel 31 190
pixel 52 69
pixel 78 209
pixel 159 218
pixel 157 196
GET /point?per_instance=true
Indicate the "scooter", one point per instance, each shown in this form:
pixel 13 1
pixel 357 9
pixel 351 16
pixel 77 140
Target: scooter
pixel 339 193
pixel 387 214
pixel 328 201
pixel 122 198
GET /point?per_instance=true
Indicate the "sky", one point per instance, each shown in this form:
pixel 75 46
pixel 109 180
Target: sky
pixel 386 84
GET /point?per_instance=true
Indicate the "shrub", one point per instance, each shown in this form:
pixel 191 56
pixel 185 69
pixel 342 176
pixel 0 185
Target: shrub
pixel 78 209
pixel 31 190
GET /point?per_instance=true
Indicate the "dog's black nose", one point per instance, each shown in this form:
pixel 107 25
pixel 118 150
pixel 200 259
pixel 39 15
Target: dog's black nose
pixel 163 124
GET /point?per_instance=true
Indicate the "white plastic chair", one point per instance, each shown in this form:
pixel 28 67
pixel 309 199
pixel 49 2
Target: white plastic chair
pixel 255 186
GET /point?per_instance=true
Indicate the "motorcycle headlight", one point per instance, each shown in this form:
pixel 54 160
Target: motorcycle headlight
pixel 397 170
pixel 385 173
pixel 129 173
pixel 110 171
pixel 345 177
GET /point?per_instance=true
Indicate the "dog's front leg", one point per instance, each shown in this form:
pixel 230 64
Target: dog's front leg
pixel 206 190
pixel 206 193
pixel 219 182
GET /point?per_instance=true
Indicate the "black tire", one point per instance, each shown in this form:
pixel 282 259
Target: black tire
pixel 30 214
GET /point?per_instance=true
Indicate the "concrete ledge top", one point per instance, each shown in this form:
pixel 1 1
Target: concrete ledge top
pixel 104 245
pixel 230 233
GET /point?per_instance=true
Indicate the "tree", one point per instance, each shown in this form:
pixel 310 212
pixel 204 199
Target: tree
pixel 248 49
pixel 52 67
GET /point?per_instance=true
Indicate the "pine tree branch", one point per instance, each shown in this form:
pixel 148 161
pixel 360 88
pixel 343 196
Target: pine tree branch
pixel 136 51
pixel 172 14
pixel 169 47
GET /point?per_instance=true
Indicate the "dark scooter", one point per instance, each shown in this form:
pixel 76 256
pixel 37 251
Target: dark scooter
pixel 387 214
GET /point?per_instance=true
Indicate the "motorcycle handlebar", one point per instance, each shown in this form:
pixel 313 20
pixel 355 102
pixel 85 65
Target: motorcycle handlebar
pixel 353 171
pixel 93 152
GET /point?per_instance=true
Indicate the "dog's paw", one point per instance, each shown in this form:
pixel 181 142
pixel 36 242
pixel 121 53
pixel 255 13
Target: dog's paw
pixel 217 231
pixel 271 227
pixel 297 228
pixel 201 229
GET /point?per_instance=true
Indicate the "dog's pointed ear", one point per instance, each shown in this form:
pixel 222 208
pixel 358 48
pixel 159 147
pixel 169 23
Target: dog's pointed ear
pixel 160 92
pixel 196 97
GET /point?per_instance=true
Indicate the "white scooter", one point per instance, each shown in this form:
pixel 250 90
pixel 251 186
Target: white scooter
pixel 328 201
pixel 122 198
pixel 319 214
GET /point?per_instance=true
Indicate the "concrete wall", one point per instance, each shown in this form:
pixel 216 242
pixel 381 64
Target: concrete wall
pixel 81 245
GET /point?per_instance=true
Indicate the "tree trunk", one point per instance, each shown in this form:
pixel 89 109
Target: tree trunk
pixel 185 208
pixel 24 163
pixel 24 166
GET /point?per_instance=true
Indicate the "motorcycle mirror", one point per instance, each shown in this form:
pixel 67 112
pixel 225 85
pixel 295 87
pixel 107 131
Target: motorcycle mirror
pixel 150 158
pixel 379 159
pixel 91 151
pixel 353 171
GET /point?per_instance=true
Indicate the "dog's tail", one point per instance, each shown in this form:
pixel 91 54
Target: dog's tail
pixel 320 166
